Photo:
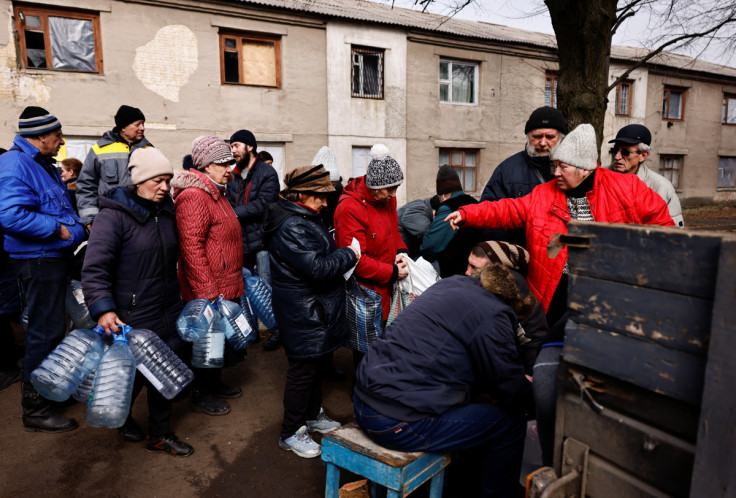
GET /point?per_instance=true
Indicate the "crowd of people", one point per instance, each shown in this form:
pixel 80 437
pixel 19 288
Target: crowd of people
pixel 459 370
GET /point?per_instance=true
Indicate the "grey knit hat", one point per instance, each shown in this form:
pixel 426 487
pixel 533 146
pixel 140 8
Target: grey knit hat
pixel 383 170
pixel 578 148
pixel 147 163
pixel 326 158
pixel 208 150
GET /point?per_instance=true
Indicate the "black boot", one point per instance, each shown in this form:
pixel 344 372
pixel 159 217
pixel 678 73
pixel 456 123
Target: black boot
pixel 273 342
pixel 206 402
pixel 37 414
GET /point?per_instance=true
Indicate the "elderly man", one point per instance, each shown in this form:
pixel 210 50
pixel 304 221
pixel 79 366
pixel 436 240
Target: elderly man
pixel 631 149
pixel 41 231
pixel 106 165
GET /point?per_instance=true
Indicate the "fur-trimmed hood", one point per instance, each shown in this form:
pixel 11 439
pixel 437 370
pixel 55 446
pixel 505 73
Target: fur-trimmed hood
pixel 192 178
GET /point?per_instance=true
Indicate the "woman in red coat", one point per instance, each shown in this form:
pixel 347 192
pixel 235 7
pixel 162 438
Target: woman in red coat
pixel 211 252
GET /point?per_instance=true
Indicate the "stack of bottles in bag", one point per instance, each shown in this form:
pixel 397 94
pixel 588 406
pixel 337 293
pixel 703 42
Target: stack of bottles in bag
pixel 207 325
pixel 258 296
pixel 90 367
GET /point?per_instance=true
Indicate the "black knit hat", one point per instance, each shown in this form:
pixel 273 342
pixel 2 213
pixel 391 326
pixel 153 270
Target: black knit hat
pixel 126 115
pixel 244 136
pixel 448 180
pixel 35 121
pixel 546 117
pixel 383 170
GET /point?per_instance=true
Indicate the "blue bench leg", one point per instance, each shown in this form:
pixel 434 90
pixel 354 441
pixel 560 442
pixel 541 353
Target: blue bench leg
pixel 435 490
pixel 332 488
pixel 375 490
pixel 390 493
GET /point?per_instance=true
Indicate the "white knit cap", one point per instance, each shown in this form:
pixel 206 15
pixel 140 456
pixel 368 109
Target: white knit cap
pixel 578 148
pixel 326 158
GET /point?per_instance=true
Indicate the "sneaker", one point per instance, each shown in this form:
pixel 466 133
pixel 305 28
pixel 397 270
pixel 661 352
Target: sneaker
pixel 322 423
pixel 301 444
pixel 169 443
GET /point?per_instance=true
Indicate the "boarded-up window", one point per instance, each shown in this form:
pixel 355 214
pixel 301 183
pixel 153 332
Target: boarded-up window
pixel 250 59
pixel 66 40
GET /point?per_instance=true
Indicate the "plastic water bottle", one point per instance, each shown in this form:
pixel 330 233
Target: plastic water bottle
pixel 259 296
pixel 61 372
pixel 76 307
pixel 158 363
pixel 84 390
pixel 195 319
pixel 209 351
pixel 109 403
pixel 248 312
pixel 237 330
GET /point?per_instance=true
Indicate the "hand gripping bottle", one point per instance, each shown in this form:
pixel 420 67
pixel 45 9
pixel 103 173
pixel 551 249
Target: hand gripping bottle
pixel 109 403
pixel 195 319
pixel 59 375
pixel 259 296
pixel 237 330
pixel 208 352
pixel 85 388
pixel 158 363
pixel 76 307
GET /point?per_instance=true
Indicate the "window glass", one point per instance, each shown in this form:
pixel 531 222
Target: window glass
pixel 672 104
pixel 727 172
pixel 669 167
pixel 729 110
pixel 464 163
pixel 75 147
pixel 550 90
pixel 361 158
pixel 458 82
pixel 367 72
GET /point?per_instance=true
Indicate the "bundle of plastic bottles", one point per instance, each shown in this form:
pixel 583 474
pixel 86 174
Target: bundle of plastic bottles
pixel 99 368
pixel 258 294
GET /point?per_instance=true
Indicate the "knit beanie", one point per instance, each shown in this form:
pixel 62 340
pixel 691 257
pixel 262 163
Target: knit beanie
pixel 326 158
pixel 447 180
pixel 208 150
pixel 383 170
pixel 147 163
pixel 578 148
pixel 509 255
pixel 244 136
pixel 546 117
pixel 312 179
pixel 126 115
pixel 35 121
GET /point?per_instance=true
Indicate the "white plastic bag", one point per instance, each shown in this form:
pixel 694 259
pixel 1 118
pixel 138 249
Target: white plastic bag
pixel 421 276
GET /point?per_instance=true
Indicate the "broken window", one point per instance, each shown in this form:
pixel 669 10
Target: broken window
pixel 367 73
pixel 250 59
pixel 59 39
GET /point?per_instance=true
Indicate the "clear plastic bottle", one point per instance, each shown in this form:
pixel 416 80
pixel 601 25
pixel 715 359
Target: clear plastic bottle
pixel 259 296
pixel 84 390
pixel 237 330
pixel 248 312
pixel 208 352
pixel 61 372
pixel 195 319
pixel 109 403
pixel 76 307
pixel 158 363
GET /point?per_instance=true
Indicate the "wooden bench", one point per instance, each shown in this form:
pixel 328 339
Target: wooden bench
pixel 349 448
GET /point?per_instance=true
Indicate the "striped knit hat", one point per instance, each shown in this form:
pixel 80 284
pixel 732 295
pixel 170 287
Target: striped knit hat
pixel 509 255
pixel 35 121
pixel 208 150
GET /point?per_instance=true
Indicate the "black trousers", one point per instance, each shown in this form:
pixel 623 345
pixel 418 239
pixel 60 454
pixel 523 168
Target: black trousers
pixel 302 394
pixel 159 408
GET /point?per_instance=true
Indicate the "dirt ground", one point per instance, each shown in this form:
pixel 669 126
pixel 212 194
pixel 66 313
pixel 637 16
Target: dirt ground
pixel 719 218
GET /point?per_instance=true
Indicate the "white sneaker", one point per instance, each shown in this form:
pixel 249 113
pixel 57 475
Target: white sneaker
pixel 301 444
pixel 322 423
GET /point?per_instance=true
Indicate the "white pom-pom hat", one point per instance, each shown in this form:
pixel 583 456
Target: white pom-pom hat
pixel 383 170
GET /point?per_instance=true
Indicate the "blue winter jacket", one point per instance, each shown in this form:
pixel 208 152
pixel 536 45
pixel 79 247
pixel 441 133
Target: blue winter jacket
pixel 34 203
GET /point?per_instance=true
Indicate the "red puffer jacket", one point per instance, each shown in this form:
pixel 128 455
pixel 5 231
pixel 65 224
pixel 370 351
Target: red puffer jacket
pixel 615 198
pixel 375 225
pixel 210 242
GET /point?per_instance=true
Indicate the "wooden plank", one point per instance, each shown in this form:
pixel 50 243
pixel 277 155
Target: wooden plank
pixel 672 320
pixel 653 456
pixel 606 480
pixel 673 373
pixel 654 257
pixel 714 473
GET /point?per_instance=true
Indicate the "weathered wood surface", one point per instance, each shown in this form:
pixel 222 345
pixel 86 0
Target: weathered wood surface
pixel 655 457
pixel 666 371
pixel 605 480
pixel 654 257
pixel 714 473
pixel 672 320
pixel 354 438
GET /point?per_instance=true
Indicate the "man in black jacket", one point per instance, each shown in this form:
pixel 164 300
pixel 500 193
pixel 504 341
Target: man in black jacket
pixel 447 376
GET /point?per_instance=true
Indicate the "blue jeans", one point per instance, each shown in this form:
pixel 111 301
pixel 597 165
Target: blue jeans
pixel 44 282
pixel 258 264
pixel 499 434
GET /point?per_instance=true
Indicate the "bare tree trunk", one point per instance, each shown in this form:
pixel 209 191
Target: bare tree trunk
pixel 583 31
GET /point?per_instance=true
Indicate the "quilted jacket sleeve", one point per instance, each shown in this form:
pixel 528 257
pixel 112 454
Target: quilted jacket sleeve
pixel 19 213
pixel 193 220
pixel 505 213
pixel 100 261
pixel 652 208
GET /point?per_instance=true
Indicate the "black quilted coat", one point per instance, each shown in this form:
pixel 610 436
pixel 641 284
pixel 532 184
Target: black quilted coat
pixel 308 286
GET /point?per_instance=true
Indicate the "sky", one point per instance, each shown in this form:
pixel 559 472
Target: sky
pixel 532 15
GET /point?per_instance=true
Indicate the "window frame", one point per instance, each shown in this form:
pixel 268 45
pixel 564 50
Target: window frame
pixel 668 91
pixel 43 13
pixel 359 49
pixel 476 81
pixel 463 166
pixel 725 187
pixel 630 85
pixel 239 36
pixel 724 113
pixel 553 85
pixel 663 170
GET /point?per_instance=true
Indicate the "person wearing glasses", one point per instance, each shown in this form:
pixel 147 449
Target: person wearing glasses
pixel 630 150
